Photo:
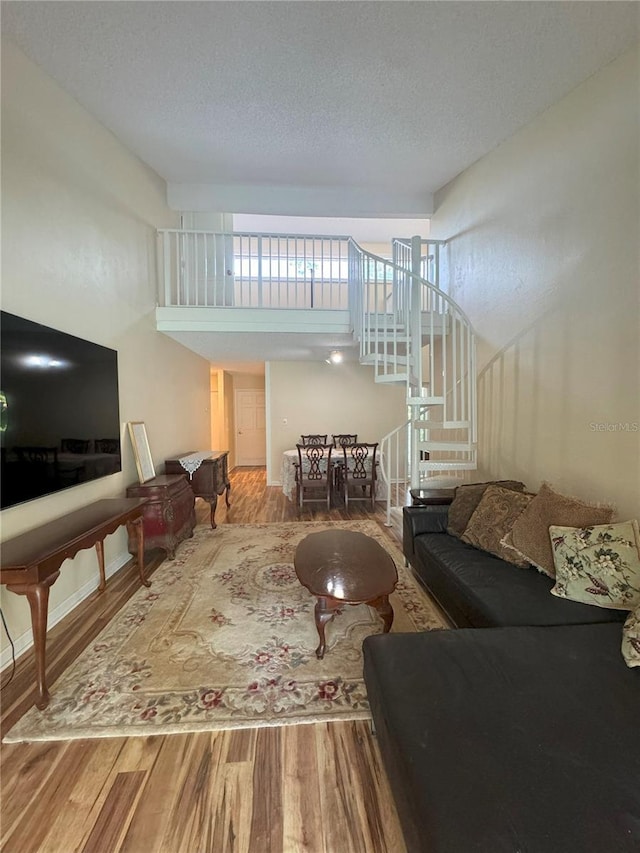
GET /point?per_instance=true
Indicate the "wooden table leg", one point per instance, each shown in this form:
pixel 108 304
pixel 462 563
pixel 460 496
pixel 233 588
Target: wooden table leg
pixel 137 526
pixel 103 577
pixel 38 598
pixel 226 495
pixel 213 503
pixel 324 612
pixel 385 611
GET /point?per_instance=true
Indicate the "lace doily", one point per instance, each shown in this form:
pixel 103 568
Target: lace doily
pixel 193 461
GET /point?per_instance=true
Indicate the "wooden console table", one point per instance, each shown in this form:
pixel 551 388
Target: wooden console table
pixel 30 563
pixel 208 480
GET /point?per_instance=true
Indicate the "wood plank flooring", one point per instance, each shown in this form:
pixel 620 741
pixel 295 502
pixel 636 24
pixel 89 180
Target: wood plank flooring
pixel 316 788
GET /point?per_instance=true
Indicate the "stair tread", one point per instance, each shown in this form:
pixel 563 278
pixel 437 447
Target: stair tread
pixel 380 357
pixel 447 464
pixel 391 377
pixel 445 444
pixel 420 424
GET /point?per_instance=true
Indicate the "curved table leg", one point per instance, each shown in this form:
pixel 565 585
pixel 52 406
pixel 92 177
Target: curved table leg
pixel 38 598
pixel 100 553
pixel 226 495
pixel 213 503
pixel 136 524
pixel 323 613
pixel 385 611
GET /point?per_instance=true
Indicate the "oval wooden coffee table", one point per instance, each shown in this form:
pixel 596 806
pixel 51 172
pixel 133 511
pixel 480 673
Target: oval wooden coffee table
pixel 342 567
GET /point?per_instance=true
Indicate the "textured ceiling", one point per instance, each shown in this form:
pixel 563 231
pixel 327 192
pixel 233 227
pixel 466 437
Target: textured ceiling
pixel 395 97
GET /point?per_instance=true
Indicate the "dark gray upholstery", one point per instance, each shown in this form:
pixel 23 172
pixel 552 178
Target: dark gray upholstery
pixel 522 740
pixel 518 734
pixel 478 590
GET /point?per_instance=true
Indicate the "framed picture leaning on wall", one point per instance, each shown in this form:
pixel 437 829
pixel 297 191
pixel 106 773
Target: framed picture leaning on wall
pixel 141 451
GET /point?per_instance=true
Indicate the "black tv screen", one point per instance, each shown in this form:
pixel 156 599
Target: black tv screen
pixel 60 418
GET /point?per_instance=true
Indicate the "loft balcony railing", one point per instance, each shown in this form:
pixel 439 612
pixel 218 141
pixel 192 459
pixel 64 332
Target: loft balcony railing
pixel 250 270
pixel 247 270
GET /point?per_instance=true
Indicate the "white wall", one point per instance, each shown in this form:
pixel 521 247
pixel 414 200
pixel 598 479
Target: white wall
pixel 543 237
pixel 79 214
pixel 318 397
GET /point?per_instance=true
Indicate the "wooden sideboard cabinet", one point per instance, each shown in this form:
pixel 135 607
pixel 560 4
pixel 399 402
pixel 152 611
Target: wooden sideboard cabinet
pixel 169 515
pixel 210 479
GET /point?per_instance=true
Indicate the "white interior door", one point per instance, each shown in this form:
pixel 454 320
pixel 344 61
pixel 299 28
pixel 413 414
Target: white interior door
pixel 251 440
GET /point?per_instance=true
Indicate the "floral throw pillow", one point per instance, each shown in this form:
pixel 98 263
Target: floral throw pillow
pixel 631 639
pixel 598 565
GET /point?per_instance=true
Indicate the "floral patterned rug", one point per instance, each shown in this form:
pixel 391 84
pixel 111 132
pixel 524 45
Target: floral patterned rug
pixel 224 638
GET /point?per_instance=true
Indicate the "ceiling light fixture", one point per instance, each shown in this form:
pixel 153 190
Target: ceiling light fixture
pixel 335 357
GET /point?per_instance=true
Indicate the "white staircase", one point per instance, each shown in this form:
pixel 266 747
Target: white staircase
pixel 413 333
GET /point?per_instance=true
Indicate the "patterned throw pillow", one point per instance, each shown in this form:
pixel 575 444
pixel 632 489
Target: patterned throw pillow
pixel 465 500
pixel 631 639
pixel 530 533
pixel 493 518
pixel 598 565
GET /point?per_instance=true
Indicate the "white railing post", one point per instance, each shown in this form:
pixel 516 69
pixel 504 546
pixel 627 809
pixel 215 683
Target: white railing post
pixel 415 316
pixel 260 271
pixel 166 266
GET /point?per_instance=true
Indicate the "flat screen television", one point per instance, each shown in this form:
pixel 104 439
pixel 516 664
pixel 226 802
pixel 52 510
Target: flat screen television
pixel 59 410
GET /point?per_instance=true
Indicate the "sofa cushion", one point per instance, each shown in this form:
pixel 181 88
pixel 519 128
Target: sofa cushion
pixel 467 497
pixel 479 590
pixel 598 565
pixel 493 518
pixel 631 638
pixel 530 533
pixel 513 739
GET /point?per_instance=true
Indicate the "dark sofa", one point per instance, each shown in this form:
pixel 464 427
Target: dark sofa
pixel 478 590
pixel 517 733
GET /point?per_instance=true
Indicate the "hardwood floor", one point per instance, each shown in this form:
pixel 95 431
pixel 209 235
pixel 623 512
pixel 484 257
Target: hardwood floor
pixel 316 788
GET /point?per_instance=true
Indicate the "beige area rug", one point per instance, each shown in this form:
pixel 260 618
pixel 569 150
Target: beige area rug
pixel 224 638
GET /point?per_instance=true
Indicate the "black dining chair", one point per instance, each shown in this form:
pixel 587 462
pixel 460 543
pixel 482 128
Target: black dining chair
pixel 341 440
pixel 314 438
pixel 314 472
pixel 359 469
pixel 344 438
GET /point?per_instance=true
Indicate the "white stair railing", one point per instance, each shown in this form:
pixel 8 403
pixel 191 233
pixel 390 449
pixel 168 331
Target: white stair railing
pixel 395 466
pixel 426 256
